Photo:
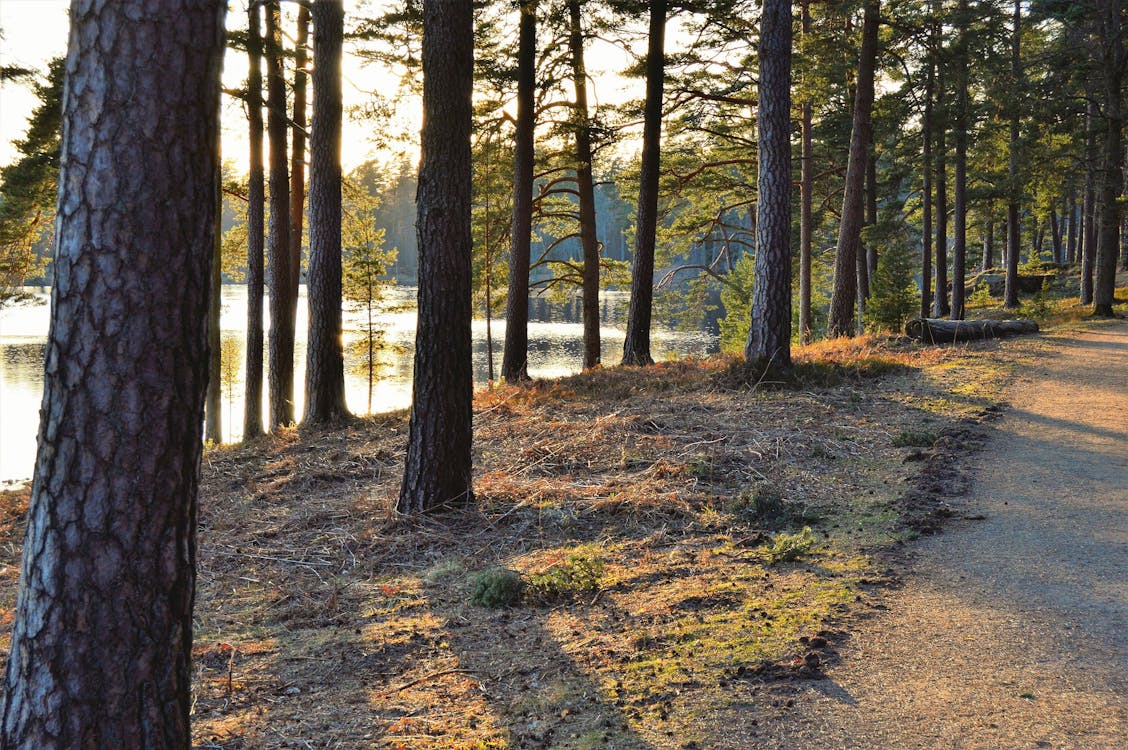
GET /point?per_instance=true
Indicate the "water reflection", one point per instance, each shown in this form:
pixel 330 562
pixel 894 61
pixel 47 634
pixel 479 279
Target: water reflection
pixel 555 349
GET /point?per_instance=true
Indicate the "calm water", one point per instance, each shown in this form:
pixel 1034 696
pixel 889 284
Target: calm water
pixel 555 348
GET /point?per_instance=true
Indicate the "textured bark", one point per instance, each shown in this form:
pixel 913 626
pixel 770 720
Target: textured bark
pixel 926 189
pixel 806 182
pixel 959 241
pixel 1112 174
pixel 769 336
pixel 437 472
pixel 636 347
pixel 1089 233
pixel 325 368
pixel 298 154
pixel 213 400
pixel 1014 228
pixel 932 331
pixel 940 300
pixel 281 370
pixel 850 229
pixel 102 638
pixel 256 198
pixel 585 186
pixel 515 356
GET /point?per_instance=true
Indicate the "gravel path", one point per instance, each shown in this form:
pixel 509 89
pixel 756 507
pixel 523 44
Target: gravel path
pixel 1010 631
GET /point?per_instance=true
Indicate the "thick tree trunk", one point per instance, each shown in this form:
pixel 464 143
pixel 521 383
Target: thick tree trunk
pixel 959 244
pixel 256 198
pixel 769 336
pixel 102 638
pixel 849 231
pixel 437 472
pixel 1014 229
pixel 1112 176
pixel 281 370
pixel 636 347
pixel 515 356
pixel 213 400
pixel 585 185
pixel 325 369
pixel 935 331
pixel 298 155
pixel 1089 233
pixel 806 183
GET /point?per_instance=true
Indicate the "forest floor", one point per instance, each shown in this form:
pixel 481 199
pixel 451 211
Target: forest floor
pixel 696 548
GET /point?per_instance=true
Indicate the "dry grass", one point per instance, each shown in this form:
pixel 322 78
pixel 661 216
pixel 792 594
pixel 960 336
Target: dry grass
pixel 325 620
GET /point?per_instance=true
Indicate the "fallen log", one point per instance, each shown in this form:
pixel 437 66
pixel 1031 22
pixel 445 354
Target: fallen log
pixel 934 331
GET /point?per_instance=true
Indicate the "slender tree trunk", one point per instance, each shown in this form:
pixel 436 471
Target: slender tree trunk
pixel 926 189
pixel 1014 228
pixel 636 347
pixel 1112 174
pixel 515 356
pixel 281 369
pixel 256 199
pixel 213 400
pixel 1070 219
pixel 850 228
pixel 437 471
pixel 769 336
pixel 940 306
pixel 298 155
pixel 325 366
pixel 1055 235
pixel 988 243
pixel 101 644
pixel 959 245
pixel 585 185
pixel 1089 233
pixel 871 210
pixel 806 183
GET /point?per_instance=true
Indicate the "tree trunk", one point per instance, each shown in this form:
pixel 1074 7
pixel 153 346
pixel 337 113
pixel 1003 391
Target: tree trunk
pixel 1071 232
pixel 926 188
pixel 1112 176
pixel 325 368
pixel 636 347
pixel 769 336
pixel 1055 235
pixel 850 228
pixel 585 185
pixel 102 638
pixel 806 183
pixel 988 243
pixel 213 400
pixel 281 370
pixel 1089 235
pixel 298 156
pixel 959 244
pixel 256 198
pixel 871 209
pixel 1014 229
pixel 932 331
pixel 515 356
pixel 437 471
pixel 940 306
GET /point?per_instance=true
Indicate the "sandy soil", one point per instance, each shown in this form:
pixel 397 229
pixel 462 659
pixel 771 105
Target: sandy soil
pixel 1010 632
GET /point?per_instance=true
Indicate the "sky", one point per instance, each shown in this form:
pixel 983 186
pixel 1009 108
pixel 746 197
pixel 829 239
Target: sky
pixel 34 31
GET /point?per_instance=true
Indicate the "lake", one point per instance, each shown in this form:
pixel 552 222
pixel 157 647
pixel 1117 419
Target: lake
pixel 555 349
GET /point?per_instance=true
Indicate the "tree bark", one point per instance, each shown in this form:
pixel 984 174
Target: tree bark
pixel 1071 231
pixel 959 244
pixel 256 200
pixel 769 336
pixel 437 471
pixel 1055 235
pixel 515 355
pixel 988 243
pixel 926 189
pixel 585 185
pixel 806 183
pixel 933 331
pixel 1112 176
pixel 871 209
pixel 325 367
pixel 102 637
pixel 1014 228
pixel 298 155
pixel 940 304
pixel 281 370
pixel 213 400
pixel 849 230
pixel 636 347
pixel 1089 234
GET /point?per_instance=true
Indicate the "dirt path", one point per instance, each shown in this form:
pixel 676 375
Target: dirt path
pixel 1011 631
